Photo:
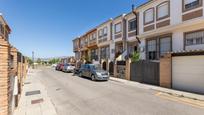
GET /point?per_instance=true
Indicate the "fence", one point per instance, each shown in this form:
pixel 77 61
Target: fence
pixel 145 72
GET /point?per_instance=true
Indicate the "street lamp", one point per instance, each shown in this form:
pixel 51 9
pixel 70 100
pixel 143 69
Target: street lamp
pixel 33 58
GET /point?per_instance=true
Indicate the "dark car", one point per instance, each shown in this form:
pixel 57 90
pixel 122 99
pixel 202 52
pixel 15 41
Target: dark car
pixel 95 72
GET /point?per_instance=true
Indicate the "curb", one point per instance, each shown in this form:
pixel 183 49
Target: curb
pixel 161 89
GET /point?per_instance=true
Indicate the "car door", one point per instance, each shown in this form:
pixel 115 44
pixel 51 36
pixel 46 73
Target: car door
pixel 83 71
pixel 88 72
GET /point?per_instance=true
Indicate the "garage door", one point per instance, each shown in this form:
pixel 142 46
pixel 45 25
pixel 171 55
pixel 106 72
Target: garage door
pixel 188 73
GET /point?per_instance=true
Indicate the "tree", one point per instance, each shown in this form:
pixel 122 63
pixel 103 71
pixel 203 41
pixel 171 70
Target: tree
pixel 30 61
pixel 39 61
pixel 135 57
pixel 54 61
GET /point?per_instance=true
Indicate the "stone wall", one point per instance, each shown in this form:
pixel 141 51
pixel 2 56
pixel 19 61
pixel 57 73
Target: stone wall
pixel 127 71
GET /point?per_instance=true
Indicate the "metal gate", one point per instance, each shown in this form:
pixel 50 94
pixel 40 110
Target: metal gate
pixel 145 72
pixel 121 69
pixel 104 65
pixel 111 68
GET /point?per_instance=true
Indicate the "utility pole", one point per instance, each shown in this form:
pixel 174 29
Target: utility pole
pixel 33 58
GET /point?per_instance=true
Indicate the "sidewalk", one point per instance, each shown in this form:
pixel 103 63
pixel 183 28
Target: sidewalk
pixel 160 89
pixel 34 99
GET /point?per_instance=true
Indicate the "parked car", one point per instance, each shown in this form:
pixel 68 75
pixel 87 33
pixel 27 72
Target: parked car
pixel 59 67
pixel 95 72
pixel 68 68
pixel 54 65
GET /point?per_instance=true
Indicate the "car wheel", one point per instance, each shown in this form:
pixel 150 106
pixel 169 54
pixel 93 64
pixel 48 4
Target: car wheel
pixel 80 74
pixel 93 77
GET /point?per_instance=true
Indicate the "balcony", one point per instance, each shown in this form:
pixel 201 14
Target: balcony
pixel 102 40
pixel 92 43
pixel 76 49
pixel 86 44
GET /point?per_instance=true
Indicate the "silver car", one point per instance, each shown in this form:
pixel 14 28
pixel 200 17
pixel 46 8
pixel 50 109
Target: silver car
pixel 68 68
pixel 95 72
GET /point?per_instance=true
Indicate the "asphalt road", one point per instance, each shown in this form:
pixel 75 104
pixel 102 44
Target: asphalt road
pixel 73 95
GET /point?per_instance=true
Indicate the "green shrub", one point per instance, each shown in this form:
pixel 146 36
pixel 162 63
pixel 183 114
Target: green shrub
pixel 135 57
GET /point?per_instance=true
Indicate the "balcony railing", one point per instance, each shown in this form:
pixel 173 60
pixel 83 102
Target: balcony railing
pixel 93 42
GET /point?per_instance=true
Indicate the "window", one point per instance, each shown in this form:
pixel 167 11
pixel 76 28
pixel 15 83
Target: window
pixel 94 54
pixel 132 49
pixel 163 10
pixel 94 36
pixel 132 25
pixel 105 52
pixel 6 35
pixel 190 4
pixel 149 16
pixel 1 29
pixel 118 28
pixel 152 50
pixel 90 37
pixel 158 47
pixel 100 34
pixel 105 31
pixel 194 38
pixel 86 41
pixel 165 45
pixel 81 43
pixel 11 62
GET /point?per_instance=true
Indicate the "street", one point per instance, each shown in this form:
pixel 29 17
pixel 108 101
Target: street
pixel 73 95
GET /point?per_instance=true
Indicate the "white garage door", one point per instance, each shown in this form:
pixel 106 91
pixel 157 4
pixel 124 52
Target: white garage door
pixel 188 73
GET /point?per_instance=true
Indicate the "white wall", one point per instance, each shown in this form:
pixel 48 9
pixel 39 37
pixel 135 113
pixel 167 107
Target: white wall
pixel 143 50
pixel 112 47
pixel 141 23
pixel 175 11
pixel 177 41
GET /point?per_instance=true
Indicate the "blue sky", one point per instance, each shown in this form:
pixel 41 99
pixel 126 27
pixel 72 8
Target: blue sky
pixel 48 27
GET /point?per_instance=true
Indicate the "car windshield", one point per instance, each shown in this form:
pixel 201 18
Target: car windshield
pixel 96 67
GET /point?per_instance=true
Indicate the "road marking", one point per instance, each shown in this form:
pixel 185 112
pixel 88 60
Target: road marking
pixel 180 99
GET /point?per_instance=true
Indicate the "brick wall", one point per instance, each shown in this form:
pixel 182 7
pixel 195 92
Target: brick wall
pixel 165 71
pixel 127 70
pixel 4 77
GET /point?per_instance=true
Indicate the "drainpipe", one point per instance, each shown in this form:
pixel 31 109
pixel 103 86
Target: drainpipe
pixel 124 34
pixel 112 41
pixel 133 8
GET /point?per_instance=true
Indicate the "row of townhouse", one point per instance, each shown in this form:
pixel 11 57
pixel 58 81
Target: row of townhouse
pixel 161 25
pixel 70 59
pixel 13 69
pixel 170 32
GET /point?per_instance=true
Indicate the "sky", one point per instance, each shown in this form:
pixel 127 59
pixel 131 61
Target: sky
pixel 48 27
